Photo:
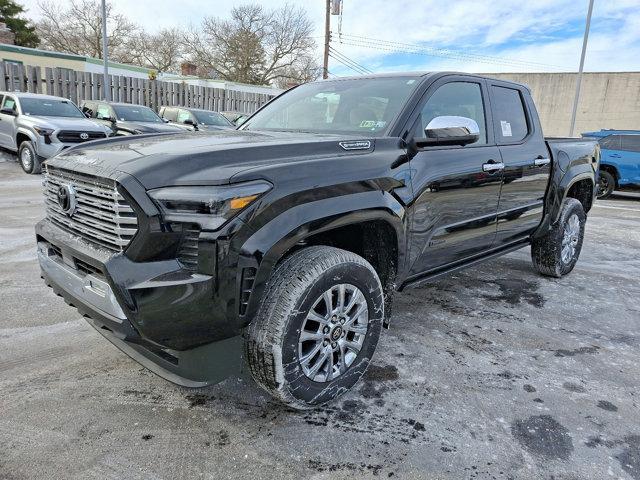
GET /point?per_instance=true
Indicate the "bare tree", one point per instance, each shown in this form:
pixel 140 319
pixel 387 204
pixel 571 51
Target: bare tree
pixel 161 51
pixel 257 45
pixel 78 29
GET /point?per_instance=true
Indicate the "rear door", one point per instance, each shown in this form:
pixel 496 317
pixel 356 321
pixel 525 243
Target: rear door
pixel 629 160
pixel 453 216
pixel 526 159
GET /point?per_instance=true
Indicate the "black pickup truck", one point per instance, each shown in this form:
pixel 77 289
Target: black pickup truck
pixel 278 246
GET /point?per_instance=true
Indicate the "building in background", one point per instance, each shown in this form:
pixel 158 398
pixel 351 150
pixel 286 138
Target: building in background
pixel 46 58
pixel 607 100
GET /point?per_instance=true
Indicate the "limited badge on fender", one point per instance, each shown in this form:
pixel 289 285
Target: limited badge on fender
pixel 356 145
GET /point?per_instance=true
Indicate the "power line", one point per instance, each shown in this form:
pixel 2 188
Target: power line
pixel 438 51
pixel 360 72
pixel 401 47
pixel 346 59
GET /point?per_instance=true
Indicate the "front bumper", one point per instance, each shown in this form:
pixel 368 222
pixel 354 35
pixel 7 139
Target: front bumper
pixel 137 329
pixel 48 150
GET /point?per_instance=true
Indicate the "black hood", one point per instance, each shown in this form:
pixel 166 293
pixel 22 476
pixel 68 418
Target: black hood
pixel 192 158
pixel 146 127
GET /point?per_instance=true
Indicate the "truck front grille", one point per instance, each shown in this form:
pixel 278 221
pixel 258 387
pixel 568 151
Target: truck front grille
pixel 76 136
pixel 102 215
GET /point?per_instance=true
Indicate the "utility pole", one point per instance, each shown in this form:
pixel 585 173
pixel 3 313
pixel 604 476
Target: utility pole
pixel 105 54
pixel 579 79
pixel 327 38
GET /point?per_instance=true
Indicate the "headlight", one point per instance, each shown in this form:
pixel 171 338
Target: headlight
pixel 210 207
pixel 43 131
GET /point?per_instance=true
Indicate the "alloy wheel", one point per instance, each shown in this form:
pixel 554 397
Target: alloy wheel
pixel 333 332
pixel 26 158
pixel 570 239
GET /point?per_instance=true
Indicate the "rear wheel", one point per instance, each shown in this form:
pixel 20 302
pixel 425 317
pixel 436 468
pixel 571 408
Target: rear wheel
pixel 606 185
pixel 317 328
pixel 556 253
pixel 28 158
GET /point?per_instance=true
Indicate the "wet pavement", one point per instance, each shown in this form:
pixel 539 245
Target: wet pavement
pixel 492 373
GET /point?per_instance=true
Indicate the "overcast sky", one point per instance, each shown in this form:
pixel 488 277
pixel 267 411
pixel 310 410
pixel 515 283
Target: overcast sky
pixel 466 35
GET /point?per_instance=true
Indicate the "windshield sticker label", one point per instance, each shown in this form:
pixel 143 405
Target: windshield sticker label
pixel 372 124
pixel 356 145
pixel 506 128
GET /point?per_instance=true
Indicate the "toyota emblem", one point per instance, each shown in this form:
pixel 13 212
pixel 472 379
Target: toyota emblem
pixel 84 136
pixel 67 199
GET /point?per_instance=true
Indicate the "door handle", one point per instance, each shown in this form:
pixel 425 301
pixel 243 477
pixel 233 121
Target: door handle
pixel 492 167
pixel 615 155
pixel 541 161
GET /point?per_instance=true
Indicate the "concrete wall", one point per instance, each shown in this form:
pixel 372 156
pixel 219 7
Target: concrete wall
pixel 607 100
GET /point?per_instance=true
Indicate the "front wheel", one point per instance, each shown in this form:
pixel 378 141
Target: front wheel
pixel 317 327
pixel 606 185
pixel 29 160
pixel 556 253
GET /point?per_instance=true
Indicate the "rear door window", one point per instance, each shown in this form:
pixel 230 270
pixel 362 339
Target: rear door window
pixel 631 143
pixel 612 142
pixel 509 115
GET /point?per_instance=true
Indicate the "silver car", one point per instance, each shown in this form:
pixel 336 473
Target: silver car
pixel 40 126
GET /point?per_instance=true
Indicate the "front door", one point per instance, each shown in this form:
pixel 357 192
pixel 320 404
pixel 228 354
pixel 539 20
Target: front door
pixel 453 216
pixel 7 123
pixel 526 159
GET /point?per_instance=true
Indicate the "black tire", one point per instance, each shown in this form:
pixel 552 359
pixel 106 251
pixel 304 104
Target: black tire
pixel 28 158
pixel 548 254
pixel 272 340
pixel 606 185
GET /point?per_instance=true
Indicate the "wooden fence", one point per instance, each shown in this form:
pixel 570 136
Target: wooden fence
pixel 78 86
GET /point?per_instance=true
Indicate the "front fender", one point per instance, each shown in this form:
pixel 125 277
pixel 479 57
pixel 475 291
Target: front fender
pixel 268 245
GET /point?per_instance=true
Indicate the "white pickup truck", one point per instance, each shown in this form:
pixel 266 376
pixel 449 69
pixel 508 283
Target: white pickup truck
pixel 40 126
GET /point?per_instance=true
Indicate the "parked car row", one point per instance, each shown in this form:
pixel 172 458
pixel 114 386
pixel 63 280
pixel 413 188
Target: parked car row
pixel 38 127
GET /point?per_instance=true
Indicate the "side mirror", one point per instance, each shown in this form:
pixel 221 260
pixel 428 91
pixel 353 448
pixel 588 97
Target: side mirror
pixel 9 111
pixel 87 114
pixel 165 120
pixel 188 121
pixel 449 130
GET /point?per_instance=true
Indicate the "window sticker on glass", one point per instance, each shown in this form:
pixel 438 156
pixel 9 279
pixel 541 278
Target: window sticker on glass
pixel 506 128
pixel 372 124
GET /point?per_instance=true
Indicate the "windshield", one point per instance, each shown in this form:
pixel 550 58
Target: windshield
pixel 136 113
pixel 44 107
pixel 211 118
pixel 361 106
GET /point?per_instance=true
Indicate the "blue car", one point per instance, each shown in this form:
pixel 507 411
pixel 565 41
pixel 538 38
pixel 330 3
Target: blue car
pixel 620 159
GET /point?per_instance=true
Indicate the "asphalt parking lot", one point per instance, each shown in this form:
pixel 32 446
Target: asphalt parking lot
pixel 493 373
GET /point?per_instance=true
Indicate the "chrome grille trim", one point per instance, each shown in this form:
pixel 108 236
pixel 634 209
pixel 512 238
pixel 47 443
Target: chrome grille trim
pixel 102 217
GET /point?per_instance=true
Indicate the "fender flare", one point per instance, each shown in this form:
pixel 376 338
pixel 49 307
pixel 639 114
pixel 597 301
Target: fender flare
pixel 558 191
pixel 28 133
pixel 268 245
